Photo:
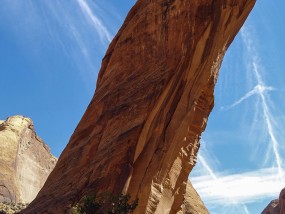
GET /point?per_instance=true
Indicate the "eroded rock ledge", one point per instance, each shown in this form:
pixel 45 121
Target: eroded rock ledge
pixel 140 133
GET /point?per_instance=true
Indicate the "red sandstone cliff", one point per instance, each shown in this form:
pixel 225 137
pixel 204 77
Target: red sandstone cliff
pixel 141 131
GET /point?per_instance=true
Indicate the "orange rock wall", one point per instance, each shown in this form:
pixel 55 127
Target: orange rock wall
pixel 276 206
pixel 140 133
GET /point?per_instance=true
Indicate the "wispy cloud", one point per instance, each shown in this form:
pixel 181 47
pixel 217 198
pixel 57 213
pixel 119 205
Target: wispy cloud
pixel 234 189
pixel 231 192
pixel 79 32
pixel 210 186
pixel 103 32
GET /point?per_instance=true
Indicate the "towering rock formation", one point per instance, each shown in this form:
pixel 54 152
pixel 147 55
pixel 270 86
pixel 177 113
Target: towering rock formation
pixel 25 160
pixel 140 133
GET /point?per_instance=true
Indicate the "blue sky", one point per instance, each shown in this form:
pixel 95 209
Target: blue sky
pixel 50 55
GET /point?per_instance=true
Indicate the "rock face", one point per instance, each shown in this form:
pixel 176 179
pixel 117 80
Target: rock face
pixel 140 133
pixel 276 206
pixel 25 161
pixel 192 202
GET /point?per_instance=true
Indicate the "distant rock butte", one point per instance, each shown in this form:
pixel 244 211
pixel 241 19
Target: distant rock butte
pixel 276 206
pixel 140 133
pixel 25 161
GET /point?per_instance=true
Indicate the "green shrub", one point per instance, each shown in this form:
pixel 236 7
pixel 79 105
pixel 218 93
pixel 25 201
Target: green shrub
pixel 105 204
pixel 121 205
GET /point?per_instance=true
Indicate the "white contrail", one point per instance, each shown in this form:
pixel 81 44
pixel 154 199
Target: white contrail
pixel 100 28
pixel 207 167
pixel 257 89
pixel 260 91
pixel 246 210
pixel 217 181
pixel 268 120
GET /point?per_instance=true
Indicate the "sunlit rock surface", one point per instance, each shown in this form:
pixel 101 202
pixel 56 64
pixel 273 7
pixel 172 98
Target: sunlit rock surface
pixel 25 160
pixel 140 133
pixel 192 202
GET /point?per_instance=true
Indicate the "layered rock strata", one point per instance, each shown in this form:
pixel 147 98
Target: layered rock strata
pixel 140 133
pixel 25 161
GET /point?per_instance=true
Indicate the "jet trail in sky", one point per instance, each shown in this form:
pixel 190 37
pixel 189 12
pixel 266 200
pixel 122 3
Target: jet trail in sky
pixel 260 90
pixel 257 89
pixel 97 23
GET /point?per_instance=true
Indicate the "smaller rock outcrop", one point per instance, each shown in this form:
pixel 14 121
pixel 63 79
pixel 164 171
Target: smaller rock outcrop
pixel 276 206
pixel 25 160
pixel 192 202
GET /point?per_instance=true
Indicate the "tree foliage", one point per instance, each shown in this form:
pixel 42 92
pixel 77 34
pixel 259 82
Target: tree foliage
pixel 105 204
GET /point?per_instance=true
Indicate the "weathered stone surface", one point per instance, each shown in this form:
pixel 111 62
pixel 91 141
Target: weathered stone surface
pixel 25 161
pixel 276 206
pixel 282 201
pixel 11 208
pixel 140 133
pixel 272 208
pixel 192 202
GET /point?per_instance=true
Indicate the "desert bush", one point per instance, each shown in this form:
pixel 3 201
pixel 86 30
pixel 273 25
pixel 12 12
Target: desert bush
pixel 105 204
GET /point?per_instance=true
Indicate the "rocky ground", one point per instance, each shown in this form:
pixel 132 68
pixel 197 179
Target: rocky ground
pixel 11 208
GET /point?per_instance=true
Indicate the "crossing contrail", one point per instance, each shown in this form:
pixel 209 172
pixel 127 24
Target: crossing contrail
pixel 255 91
pixel 260 90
